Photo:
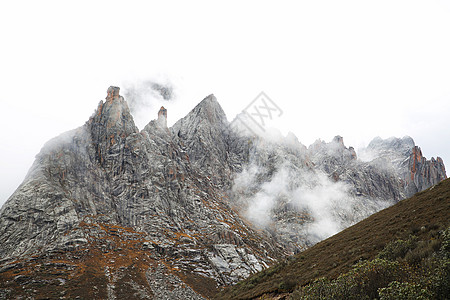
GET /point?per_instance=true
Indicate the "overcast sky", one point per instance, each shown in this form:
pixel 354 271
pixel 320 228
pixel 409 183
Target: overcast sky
pixel 359 69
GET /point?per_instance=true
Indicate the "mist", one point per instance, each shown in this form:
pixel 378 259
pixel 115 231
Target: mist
pixel 145 97
pixel 266 189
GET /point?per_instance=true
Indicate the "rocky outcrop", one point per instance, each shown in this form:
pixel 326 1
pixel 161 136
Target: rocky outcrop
pixel 405 159
pixel 365 179
pixel 162 116
pixel 423 173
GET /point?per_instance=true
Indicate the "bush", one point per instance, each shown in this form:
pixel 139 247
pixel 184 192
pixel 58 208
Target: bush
pixel 439 280
pixel 398 248
pixel 423 250
pixel 446 241
pixel 319 289
pixel 390 275
pixel 287 285
pixel 369 276
pixel 404 291
pixel 362 282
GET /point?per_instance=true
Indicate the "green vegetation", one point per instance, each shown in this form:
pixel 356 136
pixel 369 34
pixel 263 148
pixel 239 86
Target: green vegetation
pixel 404 269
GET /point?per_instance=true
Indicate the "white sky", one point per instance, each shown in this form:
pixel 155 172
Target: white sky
pixel 359 69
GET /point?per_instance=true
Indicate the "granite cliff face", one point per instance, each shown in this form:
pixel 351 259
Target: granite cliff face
pixel 108 211
pixel 406 159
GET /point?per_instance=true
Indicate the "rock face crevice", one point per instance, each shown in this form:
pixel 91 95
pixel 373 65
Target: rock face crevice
pixel 171 211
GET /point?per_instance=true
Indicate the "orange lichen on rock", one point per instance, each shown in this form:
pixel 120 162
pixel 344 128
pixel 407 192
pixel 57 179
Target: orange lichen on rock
pixel 172 174
pixel 112 93
pixel 162 112
pixel 99 109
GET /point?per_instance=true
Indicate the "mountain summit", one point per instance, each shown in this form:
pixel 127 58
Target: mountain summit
pixel 108 211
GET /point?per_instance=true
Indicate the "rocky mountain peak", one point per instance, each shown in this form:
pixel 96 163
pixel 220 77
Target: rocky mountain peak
pixel 423 173
pixel 162 116
pixel 111 123
pixel 112 93
pixel 416 172
pixel 162 112
pixel 206 115
pixel 211 143
pixel 114 112
pixel 417 154
pixel 339 140
pixel 210 110
pixel 336 149
pixel 401 145
pixel 209 100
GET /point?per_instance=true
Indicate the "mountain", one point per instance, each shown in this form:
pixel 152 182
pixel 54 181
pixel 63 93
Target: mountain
pixel 108 211
pixel 105 202
pixel 410 231
pixel 416 172
pixel 303 195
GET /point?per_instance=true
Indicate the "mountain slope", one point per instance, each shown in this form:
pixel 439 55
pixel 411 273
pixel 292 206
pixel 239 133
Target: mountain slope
pixel 426 211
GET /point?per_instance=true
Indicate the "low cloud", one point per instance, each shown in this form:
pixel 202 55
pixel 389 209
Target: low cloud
pixel 145 97
pixel 264 189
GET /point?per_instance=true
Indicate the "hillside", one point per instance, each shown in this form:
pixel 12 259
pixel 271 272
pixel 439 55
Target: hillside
pixel 422 215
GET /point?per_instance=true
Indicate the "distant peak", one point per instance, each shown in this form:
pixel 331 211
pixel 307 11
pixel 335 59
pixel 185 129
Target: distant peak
pixel 209 100
pixel 338 139
pixel 210 109
pixel 162 112
pixel 406 143
pixel 112 93
pixel 204 116
pixel 408 139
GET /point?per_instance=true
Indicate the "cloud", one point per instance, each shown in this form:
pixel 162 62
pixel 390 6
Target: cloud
pixel 321 198
pixel 266 189
pixel 145 97
pixel 261 204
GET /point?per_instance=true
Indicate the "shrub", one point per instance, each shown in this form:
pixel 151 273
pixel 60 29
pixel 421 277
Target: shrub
pixel 319 289
pixel 446 240
pixel 390 275
pixel 398 248
pixel 369 276
pixel 287 285
pixel 362 282
pixel 439 279
pixel 423 250
pixel 404 291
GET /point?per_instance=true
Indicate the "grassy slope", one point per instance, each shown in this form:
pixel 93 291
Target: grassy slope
pixel 426 211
